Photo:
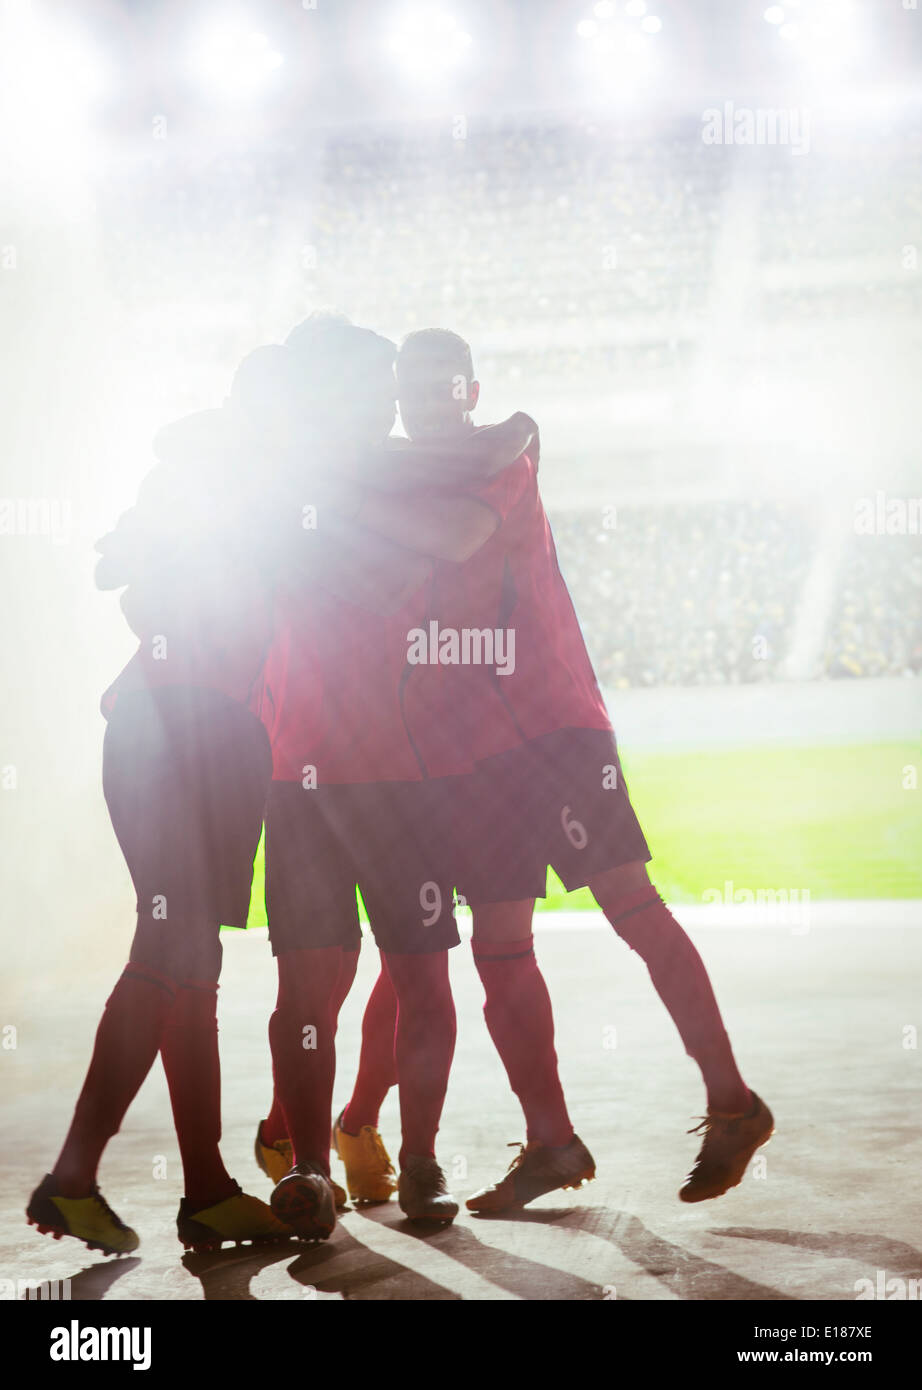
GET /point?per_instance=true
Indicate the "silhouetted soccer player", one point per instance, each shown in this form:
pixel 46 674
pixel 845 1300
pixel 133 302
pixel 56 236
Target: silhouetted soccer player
pixel 351 803
pixel 187 764
pixel 186 768
pixel 548 790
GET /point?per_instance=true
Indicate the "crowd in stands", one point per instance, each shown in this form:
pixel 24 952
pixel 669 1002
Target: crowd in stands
pixel 876 628
pixel 588 248
pixel 691 595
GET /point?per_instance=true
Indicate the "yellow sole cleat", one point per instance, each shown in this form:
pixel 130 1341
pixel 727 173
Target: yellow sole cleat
pixel 89 1219
pixel 237 1218
pixel 370 1175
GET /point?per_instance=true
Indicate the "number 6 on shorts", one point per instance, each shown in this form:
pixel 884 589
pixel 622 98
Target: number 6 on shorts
pixel 574 830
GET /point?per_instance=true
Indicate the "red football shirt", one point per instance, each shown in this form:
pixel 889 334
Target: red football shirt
pixel 512 584
pixel 332 691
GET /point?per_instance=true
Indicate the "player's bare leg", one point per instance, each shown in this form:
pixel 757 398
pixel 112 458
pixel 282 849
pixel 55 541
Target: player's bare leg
pixel 738 1121
pixel 520 1020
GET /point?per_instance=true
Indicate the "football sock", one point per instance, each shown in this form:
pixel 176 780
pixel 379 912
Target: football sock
pixel 520 1021
pixel 273 1126
pixel 348 966
pixel 127 1041
pixel 425 1045
pixel 679 976
pixel 377 1063
pixel 189 1049
pixel 301 1036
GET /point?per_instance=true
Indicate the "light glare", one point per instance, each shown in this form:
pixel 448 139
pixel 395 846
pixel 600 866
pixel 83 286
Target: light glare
pixel 235 60
pixel 426 45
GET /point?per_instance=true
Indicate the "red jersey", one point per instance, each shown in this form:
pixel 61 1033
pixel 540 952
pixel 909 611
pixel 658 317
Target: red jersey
pixel 541 678
pixel 333 692
pixel 343 702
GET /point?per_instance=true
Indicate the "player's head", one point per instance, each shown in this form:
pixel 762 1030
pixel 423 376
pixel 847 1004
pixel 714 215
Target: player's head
pixel 263 394
pixel 345 384
pixel 436 387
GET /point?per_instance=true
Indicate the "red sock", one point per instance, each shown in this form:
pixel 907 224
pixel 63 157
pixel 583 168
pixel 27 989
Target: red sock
pixel 273 1126
pixel 344 981
pixel 520 1021
pixel 301 1033
pixel 377 1063
pixel 190 1059
pixel 678 973
pixel 424 1047
pixel 127 1041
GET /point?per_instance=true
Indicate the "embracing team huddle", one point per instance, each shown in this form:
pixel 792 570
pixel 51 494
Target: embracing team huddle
pixel 366 643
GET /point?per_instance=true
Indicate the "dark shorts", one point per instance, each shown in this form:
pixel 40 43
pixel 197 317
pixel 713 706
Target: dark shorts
pixel 559 800
pixel 185 775
pixel 386 837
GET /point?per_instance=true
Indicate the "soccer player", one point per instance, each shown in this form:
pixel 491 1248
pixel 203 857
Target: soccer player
pixel 351 802
pixel 186 768
pixel 549 789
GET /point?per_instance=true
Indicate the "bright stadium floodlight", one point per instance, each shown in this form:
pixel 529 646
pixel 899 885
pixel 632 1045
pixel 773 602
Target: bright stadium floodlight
pixel 829 42
pixel 235 60
pixel 427 45
pixel 50 78
pixel 618 49
pixel 619 67
pixel 611 34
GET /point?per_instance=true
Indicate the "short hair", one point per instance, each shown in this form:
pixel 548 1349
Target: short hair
pixel 331 350
pixel 439 345
pixel 307 330
pixel 263 380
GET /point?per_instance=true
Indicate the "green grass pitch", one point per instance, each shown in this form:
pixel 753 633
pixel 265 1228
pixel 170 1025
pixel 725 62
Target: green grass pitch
pixel 836 820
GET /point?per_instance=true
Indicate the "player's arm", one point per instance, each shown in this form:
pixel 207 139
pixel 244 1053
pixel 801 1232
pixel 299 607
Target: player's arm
pixel 358 565
pixel 478 457
pixel 441 527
